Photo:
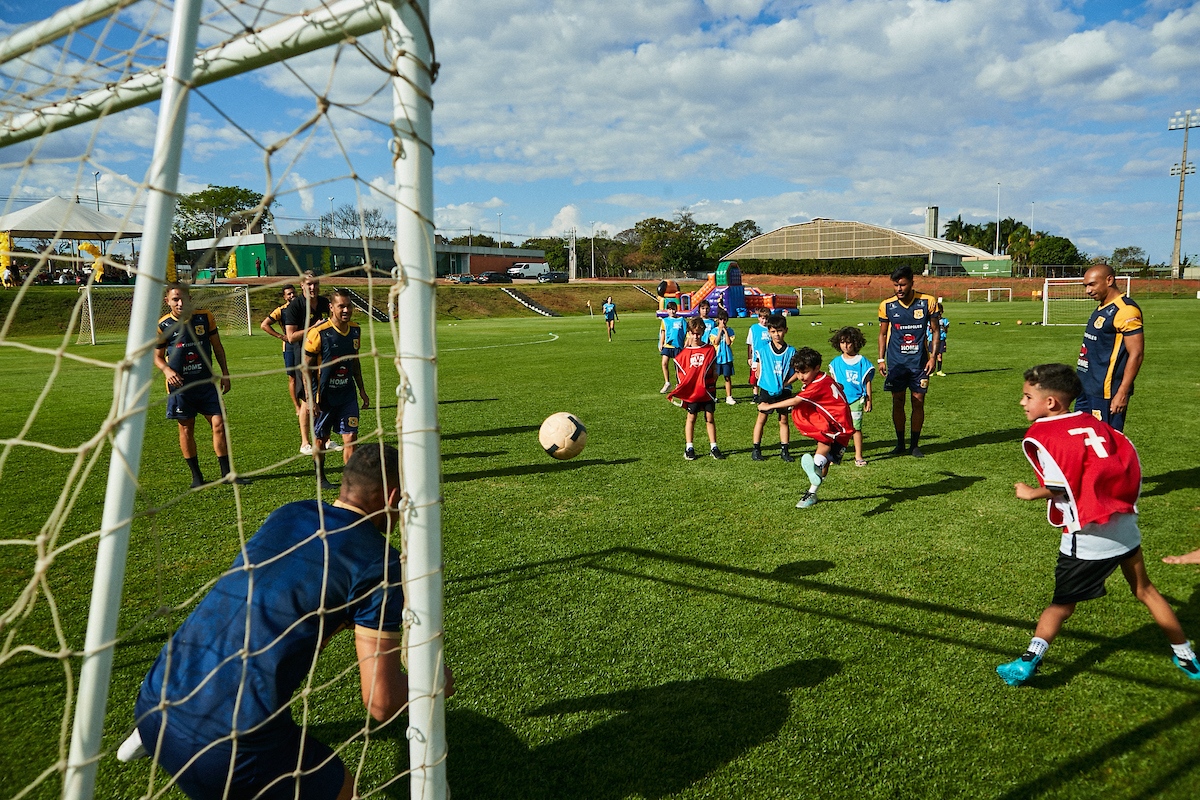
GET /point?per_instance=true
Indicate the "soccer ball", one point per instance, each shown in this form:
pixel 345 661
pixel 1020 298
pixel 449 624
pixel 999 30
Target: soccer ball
pixel 1019 322
pixel 562 436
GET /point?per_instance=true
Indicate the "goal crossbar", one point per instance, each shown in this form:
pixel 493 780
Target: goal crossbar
pixel 286 39
pixel 1071 305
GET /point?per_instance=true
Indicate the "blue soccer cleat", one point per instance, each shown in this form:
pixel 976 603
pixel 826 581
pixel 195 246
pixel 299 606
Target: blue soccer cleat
pixel 1017 672
pixel 1189 668
pixel 810 469
pixel 807 500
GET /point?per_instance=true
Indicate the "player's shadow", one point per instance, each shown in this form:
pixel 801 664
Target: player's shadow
pixel 468 400
pixel 1171 481
pixel 492 432
pixel 903 494
pixel 474 454
pixel 975 439
pixel 534 469
pixel 652 743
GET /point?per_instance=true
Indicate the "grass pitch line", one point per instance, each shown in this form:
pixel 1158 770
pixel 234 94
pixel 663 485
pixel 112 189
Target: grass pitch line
pixel 553 338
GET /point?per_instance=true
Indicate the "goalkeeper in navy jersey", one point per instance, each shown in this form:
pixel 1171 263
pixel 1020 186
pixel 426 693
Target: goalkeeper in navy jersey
pixel 334 373
pixel 908 354
pixel 188 343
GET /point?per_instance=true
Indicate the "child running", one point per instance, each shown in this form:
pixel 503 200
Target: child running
pixel 670 340
pixel 1090 478
pixel 854 373
pixel 775 375
pixel 821 413
pixel 696 370
pixel 722 337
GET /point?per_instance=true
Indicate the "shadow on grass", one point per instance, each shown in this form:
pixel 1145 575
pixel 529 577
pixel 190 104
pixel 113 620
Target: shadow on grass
pixel 655 742
pixel 903 494
pixel 1171 481
pixel 1012 435
pixel 492 432
pixel 468 400
pixel 474 454
pixel 535 469
pixel 977 371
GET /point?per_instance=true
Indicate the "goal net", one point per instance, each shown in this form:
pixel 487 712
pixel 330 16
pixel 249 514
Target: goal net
pixel 251 140
pixel 1064 302
pixel 106 310
pixel 810 297
pixel 995 293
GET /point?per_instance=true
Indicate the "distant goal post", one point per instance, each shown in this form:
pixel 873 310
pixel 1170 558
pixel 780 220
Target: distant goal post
pixel 990 294
pixel 1064 302
pixel 810 296
pixel 106 310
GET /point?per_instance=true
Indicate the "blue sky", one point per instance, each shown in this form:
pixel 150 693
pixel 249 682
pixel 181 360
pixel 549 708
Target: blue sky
pixel 569 113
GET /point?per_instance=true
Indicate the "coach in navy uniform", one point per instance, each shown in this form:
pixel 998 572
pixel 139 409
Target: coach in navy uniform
pixel 1112 349
pixel 907 354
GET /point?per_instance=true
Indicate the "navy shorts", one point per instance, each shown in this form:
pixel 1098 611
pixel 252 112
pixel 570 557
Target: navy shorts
pixel 253 770
pixel 786 394
pixel 902 377
pixel 197 398
pixel 1098 408
pixel 669 352
pixel 289 358
pixel 1076 579
pixel 341 419
pixel 725 370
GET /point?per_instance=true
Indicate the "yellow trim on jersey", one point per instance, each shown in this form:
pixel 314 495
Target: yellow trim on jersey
pixel 1128 319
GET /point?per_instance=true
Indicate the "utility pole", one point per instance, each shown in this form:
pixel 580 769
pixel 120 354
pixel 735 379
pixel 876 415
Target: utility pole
pixel 1181 121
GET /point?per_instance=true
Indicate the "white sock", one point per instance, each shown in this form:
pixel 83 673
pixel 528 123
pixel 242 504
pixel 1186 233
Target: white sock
pixel 712 445
pixel 820 461
pixel 1184 651
pixel 813 489
pixel 689 446
pixel 1038 646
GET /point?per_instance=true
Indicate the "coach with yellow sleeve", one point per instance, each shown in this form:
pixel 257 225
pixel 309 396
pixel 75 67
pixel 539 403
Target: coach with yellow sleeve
pixel 1112 349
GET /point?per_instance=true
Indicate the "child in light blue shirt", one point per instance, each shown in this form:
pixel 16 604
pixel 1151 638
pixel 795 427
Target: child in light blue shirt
pixel 854 373
pixel 721 337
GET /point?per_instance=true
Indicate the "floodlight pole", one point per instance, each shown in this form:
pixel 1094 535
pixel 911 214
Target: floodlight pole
pixel 410 51
pixel 593 242
pixel 133 390
pixel 96 175
pixel 1182 120
pixel 997 250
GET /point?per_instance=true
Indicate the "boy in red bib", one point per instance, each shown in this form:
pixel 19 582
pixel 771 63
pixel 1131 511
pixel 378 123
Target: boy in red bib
pixel 696 371
pixel 1090 478
pixel 821 413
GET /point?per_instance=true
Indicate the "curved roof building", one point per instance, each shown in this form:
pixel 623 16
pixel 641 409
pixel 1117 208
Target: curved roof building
pixel 829 239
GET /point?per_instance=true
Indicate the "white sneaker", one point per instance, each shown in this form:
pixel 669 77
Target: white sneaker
pixel 666 388
pixel 131 749
pixel 306 449
pixel 729 401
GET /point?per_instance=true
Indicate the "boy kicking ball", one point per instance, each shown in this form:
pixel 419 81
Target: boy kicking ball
pixel 821 413
pixel 1090 477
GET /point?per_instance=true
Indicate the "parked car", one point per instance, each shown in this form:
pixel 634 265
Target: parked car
pixel 492 277
pixel 527 269
pixel 464 277
pixel 553 277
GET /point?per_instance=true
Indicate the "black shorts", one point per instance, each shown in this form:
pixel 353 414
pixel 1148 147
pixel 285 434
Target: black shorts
pixel 786 394
pixel 1098 407
pixel 193 399
pixel 706 406
pixel 902 377
pixel 1076 580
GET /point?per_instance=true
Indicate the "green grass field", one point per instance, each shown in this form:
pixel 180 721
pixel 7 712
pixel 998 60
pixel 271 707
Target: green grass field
pixel 630 624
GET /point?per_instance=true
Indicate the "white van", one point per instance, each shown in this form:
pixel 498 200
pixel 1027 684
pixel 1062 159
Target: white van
pixel 528 270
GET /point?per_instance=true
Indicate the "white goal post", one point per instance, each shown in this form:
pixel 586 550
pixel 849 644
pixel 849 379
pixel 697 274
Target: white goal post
pixel 1064 301
pixel 89 64
pixel 104 316
pixel 997 293
pixel 811 296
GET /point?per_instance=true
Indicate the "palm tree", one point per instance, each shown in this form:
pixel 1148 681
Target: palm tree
pixel 954 229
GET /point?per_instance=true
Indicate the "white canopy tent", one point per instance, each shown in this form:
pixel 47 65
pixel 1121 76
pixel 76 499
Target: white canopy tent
pixel 57 218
